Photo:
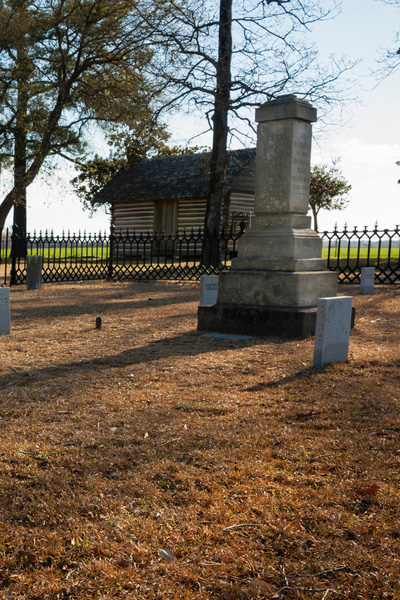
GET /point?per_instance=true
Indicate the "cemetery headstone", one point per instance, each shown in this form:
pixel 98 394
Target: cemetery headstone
pixel 4 311
pixel 332 331
pixel 33 272
pixel 208 289
pixel 367 280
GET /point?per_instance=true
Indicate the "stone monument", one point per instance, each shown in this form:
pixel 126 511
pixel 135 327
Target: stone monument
pixel 34 272
pixel 367 280
pixel 4 311
pixel 208 289
pixel 332 332
pixel 278 275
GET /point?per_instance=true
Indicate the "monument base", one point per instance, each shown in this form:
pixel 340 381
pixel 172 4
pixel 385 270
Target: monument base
pixel 260 321
pixel 279 289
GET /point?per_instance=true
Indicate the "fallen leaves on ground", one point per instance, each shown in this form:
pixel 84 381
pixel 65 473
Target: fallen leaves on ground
pixel 253 474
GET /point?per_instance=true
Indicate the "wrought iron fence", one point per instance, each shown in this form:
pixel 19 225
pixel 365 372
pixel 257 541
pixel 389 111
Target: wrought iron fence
pixel 120 255
pixel 132 255
pixel 349 250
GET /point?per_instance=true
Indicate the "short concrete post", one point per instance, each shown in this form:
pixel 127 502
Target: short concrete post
pixel 208 289
pixel 367 280
pixel 4 311
pixel 332 331
pixel 33 272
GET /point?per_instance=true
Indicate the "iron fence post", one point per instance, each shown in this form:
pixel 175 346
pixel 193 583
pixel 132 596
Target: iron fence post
pixel 14 250
pixel 111 253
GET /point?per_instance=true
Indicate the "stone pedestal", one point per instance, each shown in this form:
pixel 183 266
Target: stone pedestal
pixel 279 270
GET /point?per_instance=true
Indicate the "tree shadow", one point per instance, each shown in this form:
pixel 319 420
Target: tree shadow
pixel 276 383
pixel 96 304
pixel 186 344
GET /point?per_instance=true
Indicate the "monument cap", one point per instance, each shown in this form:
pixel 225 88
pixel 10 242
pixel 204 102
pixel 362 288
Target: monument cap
pixel 286 107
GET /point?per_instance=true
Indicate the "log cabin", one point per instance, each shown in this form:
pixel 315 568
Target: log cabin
pixel 168 194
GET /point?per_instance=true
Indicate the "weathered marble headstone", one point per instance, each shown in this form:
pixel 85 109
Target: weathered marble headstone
pixel 332 332
pixel 208 289
pixel 33 272
pixel 279 275
pixel 367 280
pixel 4 311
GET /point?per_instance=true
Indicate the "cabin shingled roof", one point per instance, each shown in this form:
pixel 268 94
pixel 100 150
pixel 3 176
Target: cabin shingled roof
pixel 168 177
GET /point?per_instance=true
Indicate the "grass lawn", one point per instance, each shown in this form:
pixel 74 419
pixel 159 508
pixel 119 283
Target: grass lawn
pixel 143 460
pixel 362 253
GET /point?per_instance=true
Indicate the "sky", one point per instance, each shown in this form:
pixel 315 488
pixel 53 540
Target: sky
pixel 368 143
pixel 366 139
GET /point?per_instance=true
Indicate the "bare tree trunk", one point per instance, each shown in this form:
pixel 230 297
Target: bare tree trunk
pixel 219 155
pixel 18 191
pixel 225 221
pixel 5 207
pixel 20 141
pixel 315 218
pixel 19 182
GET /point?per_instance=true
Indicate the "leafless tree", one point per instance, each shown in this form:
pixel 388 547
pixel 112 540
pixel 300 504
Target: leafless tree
pixel 389 60
pixel 233 56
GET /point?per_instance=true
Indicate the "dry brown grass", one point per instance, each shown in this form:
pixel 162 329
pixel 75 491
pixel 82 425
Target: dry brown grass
pixel 265 478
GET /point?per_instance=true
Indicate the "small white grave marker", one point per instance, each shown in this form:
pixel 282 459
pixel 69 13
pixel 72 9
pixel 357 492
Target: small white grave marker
pixel 4 311
pixel 34 272
pixel 208 289
pixel 332 330
pixel 367 280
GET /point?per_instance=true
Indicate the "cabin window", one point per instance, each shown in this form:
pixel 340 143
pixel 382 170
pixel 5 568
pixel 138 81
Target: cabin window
pixel 166 217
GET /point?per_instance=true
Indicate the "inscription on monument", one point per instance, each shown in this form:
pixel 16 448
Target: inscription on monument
pixel 301 165
pixel 208 289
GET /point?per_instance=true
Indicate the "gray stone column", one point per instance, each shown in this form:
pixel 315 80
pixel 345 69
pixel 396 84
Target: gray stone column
pixel 281 238
pixel 278 275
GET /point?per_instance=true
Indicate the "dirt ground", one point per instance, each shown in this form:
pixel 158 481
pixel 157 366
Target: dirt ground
pixel 144 460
